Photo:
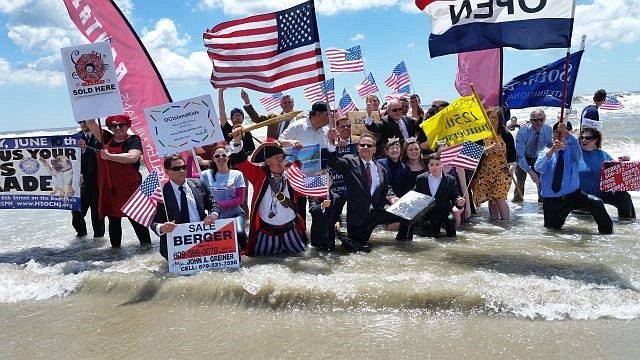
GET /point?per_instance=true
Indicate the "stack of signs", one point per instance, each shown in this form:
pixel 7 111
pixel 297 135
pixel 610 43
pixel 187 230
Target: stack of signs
pixel 195 246
pixel 620 176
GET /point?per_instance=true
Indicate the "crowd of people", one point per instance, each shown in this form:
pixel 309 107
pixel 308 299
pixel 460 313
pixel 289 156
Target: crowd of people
pixel 375 168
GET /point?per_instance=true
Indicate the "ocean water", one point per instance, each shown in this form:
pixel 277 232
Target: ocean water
pixel 502 289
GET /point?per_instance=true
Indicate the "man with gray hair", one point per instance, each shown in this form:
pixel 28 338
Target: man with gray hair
pixel 530 140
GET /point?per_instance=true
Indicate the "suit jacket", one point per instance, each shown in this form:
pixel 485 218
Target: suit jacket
pixel 273 130
pixel 445 196
pixel 204 201
pixel 89 163
pixel 359 198
pixel 388 128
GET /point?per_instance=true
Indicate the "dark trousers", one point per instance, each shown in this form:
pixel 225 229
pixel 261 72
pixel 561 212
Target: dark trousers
pixel 556 210
pixel 432 224
pixel 88 200
pixel 115 231
pixel 521 177
pixel 362 233
pixel 622 201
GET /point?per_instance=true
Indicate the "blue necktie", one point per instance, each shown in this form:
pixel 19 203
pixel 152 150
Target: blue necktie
pixel 556 184
pixel 184 207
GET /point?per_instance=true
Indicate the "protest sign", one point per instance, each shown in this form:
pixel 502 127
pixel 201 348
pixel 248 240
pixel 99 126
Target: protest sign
pixel 40 173
pixel 356 118
pixel 309 157
pixel 183 125
pixel 91 80
pixel 620 176
pixel 195 246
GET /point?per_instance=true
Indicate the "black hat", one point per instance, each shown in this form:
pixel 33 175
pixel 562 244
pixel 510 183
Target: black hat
pixel 318 107
pixel 568 125
pixel 267 150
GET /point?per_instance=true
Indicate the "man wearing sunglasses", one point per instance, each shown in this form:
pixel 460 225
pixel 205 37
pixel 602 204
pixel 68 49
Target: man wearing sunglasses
pixel 394 124
pixel 185 201
pixel 530 140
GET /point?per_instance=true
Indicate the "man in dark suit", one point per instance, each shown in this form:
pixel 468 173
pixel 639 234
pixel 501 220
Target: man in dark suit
pixel 391 125
pixel 185 201
pixel 89 146
pixel 443 188
pixel 368 192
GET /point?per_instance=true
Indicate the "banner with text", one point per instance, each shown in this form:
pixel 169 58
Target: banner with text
pixel 40 173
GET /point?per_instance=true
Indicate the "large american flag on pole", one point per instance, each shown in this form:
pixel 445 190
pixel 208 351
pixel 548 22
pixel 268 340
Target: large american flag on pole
pixel 271 102
pixel 465 155
pixel 367 86
pixel 141 206
pixel 315 92
pixel 312 186
pixel 611 103
pixel 268 53
pixel 349 60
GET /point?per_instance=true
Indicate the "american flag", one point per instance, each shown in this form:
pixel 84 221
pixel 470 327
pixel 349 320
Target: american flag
pixel 315 92
pixel 268 53
pixel 399 77
pixel 271 102
pixel 611 103
pixel 349 60
pixel 312 186
pixel 402 93
pixel 367 86
pixel 346 104
pixel 465 155
pixel 141 206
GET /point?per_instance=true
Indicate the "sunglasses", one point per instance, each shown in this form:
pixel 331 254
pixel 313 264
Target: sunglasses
pixel 366 145
pixel 395 110
pixel 587 137
pixel 119 126
pixel 344 126
pixel 178 168
pixel 218 156
pixel 536 119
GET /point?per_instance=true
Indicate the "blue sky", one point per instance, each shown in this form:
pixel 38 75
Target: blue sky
pixel 33 89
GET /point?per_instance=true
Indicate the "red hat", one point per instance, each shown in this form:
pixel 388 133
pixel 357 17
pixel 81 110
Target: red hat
pixel 118 119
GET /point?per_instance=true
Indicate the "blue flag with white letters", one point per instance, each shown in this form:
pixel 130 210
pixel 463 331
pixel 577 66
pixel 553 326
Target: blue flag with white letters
pixel 542 86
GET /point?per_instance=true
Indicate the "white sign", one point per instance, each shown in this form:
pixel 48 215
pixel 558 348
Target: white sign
pixel 195 246
pixel 91 80
pixel 183 125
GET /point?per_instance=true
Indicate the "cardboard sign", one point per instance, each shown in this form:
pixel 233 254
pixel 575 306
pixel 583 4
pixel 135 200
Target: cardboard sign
pixel 183 125
pixel 91 80
pixel 412 205
pixel 356 118
pixel 195 246
pixel 40 172
pixel 620 176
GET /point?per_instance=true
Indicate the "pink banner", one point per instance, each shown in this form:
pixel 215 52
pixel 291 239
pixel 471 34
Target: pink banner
pixel 140 83
pixel 482 68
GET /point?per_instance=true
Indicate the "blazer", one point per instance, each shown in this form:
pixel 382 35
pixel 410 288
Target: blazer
pixel 273 129
pixel 445 196
pixel 359 198
pixel 388 128
pixel 89 163
pixel 204 201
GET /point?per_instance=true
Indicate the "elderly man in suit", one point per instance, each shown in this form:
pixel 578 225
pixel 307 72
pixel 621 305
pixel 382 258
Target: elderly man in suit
pixel 392 125
pixel 368 192
pixel 185 201
pixel 274 130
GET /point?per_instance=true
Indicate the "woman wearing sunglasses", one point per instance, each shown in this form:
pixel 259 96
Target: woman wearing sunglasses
pixel 118 175
pixel 228 189
pixel 590 167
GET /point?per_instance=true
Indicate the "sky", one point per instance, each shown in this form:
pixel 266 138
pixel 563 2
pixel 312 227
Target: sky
pixel 33 87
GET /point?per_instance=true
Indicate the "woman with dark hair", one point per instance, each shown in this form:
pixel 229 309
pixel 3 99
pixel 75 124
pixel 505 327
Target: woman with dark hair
pixel 412 158
pixel 495 170
pixel 393 164
pixel 228 189
pixel 417 112
pixel 589 170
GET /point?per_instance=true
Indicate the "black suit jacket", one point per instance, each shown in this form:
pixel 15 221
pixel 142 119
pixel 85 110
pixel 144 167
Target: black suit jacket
pixel 445 197
pixel 359 199
pixel 388 128
pixel 89 163
pixel 204 201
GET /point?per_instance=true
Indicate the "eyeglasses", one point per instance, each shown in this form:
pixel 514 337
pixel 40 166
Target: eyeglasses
pixel 366 145
pixel 344 126
pixel 178 168
pixel 218 156
pixel 536 119
pixel 588 138
pixel 118 125
pixel 395 110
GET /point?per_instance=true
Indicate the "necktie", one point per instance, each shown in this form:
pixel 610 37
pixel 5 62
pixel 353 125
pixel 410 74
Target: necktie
pixel 184 207
pixel 556 184
pixel 369 179
pixel 533 147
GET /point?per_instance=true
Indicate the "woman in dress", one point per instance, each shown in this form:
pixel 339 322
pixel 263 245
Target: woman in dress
pixel 494 173
pixel 589 171
pixel 412 158
pixel 228 189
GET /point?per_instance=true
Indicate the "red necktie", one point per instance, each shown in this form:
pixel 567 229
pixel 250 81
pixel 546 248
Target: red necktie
pixel 369 179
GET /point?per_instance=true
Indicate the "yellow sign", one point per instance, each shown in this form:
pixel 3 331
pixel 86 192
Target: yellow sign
pixel 463 120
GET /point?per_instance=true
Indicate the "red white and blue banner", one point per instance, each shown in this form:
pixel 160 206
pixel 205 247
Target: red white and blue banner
pixel 140 83
pixel 469 25
pixel 543 86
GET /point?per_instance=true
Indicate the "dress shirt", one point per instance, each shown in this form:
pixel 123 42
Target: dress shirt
pixel 434 183
pixel 525 141
pixel 571 177
pixel 375 177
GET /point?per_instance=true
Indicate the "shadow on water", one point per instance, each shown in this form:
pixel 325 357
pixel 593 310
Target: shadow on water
pixel 545 268
pixel 148 290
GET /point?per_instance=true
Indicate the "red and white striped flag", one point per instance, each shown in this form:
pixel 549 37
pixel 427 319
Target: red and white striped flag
pixel 611 103
pixel 312 186
pixel 267 53
pixel 399 77
pixel 367 86
pixel 349 60
pixel 315 92
pixel 465 155
pixel 141 206
pixel 271 102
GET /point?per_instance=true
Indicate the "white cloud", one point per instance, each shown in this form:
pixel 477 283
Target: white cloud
pixel 607 23
pixel 174 66
pixel 325 7
pixel 165 34
pixel 9 6
pixel 126 6
pixel 29 75
pixel 357 37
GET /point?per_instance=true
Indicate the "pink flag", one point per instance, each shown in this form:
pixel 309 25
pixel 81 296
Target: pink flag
pixel 482 68
pixel 140 83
